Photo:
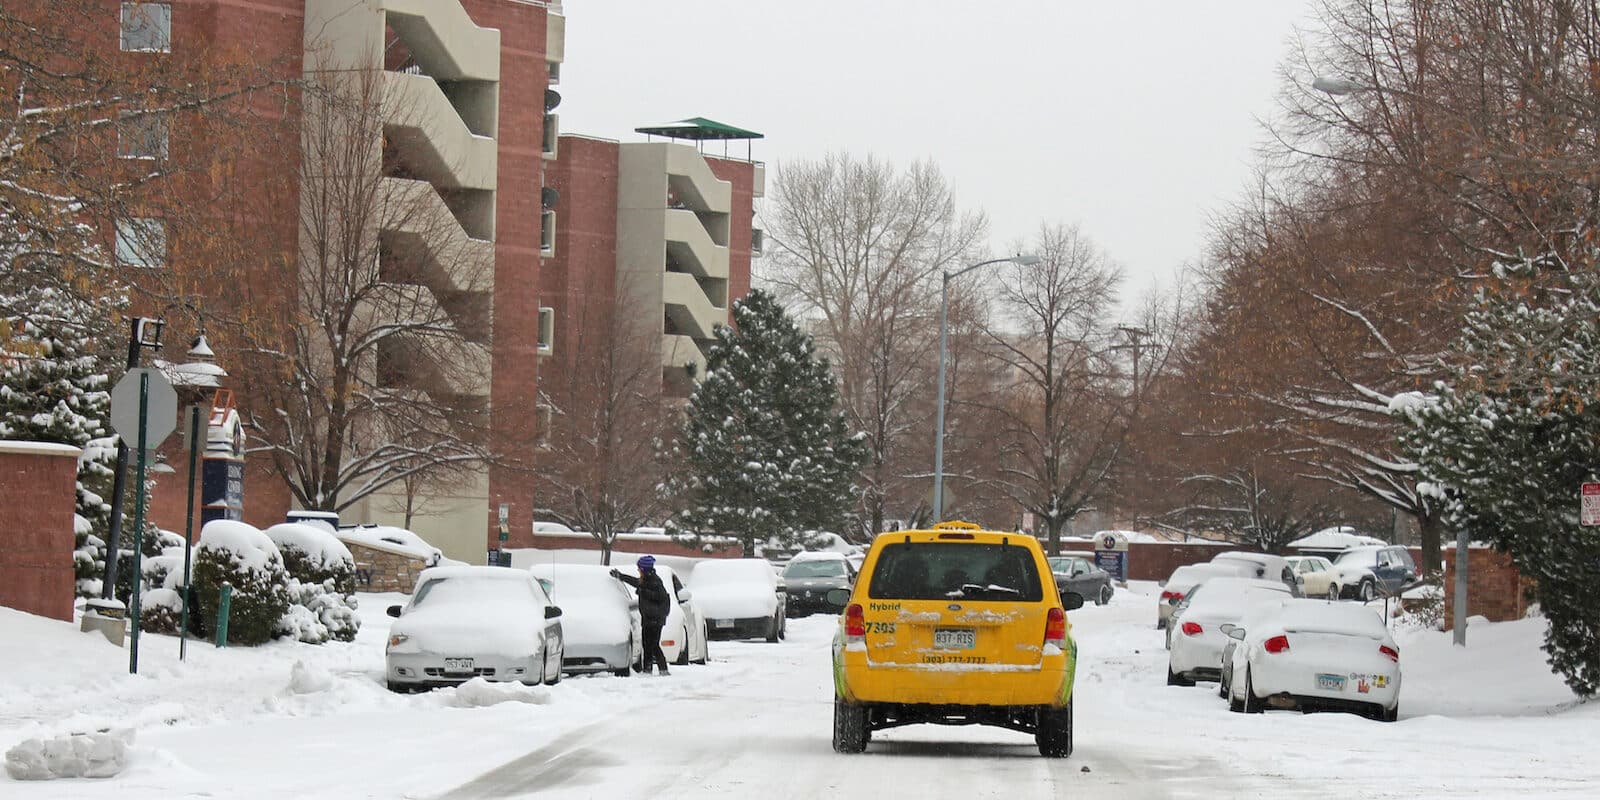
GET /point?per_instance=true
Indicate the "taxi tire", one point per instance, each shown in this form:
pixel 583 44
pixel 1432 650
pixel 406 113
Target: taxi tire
pixel 1054 736
pixel 850 732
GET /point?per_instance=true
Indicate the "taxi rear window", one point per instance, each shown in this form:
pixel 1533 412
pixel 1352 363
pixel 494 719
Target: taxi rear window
pixel 948 571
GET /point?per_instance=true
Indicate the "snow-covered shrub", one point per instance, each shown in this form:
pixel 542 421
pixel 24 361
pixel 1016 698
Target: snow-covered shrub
pixel 322 584
pixel 243 556
pixel 88 558
pixel 160 611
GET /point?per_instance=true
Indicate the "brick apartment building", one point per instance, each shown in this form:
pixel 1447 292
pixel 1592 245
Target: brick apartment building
pixel 552 221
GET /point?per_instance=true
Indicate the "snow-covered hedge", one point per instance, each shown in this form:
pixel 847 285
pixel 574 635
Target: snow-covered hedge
pixel 160 611
pixel 243 556
pixel 322 584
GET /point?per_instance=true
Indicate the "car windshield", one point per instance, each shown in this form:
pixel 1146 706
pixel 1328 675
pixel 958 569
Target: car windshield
pixel 818 568
pixel 493 591
pixel 938 571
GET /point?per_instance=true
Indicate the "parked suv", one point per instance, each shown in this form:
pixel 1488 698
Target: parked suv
pixel 1365 573
pixel 954 626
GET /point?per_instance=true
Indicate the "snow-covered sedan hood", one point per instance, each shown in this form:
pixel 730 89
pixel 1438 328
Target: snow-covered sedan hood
pixel 463 630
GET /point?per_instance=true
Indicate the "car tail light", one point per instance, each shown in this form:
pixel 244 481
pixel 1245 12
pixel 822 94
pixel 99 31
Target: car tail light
pixel 1173 596
pixel 1055 628
pixel 855 623
pixel 1192 629
pixel 1277 644
pixel 1393 654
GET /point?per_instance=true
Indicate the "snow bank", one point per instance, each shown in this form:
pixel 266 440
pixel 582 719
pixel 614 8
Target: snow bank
pixel 309 680
pixel 479 693
pixel 1335 539
pixel 394 540
pixel 75 755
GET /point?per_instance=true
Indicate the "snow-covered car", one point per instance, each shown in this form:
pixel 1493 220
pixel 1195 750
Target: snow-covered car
pixel 600 616
pixel 1194 637
pixel 1184 578
pixel 1367 573
pixel 741 598
pixel 474 622
pixel 1078 574
pixel 1316 575
pixel 1313 654
pixel 683 637
pixel 808 578
pixel 1264 566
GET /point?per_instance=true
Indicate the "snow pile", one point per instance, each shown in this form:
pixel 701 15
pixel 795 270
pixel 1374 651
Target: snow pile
pixel 245 544
pixel 480 693
pixel 394 540
pixel 1333 539
pixel 75 755
pixel 309 680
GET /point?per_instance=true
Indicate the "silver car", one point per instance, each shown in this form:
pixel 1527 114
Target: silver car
pixel 473 622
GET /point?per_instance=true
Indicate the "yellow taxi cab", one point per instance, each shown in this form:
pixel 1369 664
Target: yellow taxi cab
pixel 954 626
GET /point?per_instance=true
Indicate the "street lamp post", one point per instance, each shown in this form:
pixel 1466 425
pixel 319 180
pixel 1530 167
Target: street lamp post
pixel 944 311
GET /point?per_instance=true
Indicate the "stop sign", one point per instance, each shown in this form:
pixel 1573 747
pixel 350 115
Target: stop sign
pixel 161 408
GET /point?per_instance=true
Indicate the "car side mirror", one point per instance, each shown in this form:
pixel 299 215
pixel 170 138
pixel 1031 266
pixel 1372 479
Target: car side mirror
pixel 1235 633
pixel 394 611
pixel 837 597
pixel 1071 600
pixel 684 595
pixel 782 589
pixel 1227 628
pixel 551 612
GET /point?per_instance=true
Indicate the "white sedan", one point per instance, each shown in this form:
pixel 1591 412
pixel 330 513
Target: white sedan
pixel 741 598
pixel 1316 574
pixel 1194 635
pixel 603 631
pixel 470 622
pixel 683 638
pixel 1313 654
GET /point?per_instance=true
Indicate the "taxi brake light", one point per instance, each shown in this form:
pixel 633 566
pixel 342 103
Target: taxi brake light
pixel 855 623
pixel 966 536
pixel 1055 628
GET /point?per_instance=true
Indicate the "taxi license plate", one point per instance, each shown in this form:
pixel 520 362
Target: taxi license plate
pixel 458 665
pixel 955 638
pixel 723 623
pixel 1332 683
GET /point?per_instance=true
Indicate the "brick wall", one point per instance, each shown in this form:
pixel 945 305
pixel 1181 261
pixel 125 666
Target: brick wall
pixel 1495 588
pixel 1154 561
pixel 383 570
pixel 741 174
pixel 39 484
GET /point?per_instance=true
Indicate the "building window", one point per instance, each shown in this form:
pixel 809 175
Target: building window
pixel 143 136
pixel 547 233
pixel 142 242
pixel 555 72
pixel 547 330
pixel 147 27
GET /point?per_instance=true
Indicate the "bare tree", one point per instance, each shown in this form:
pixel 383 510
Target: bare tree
pixel 599 468
pixel 376 373
pixel 860 245
pixel 1060 411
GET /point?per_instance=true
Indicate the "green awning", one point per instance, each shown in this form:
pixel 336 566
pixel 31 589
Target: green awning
pixel 698 128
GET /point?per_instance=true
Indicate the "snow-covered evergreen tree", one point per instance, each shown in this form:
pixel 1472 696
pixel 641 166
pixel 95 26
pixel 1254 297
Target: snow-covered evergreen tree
pixel 766 452
pixel 54 387
pixel 1513 431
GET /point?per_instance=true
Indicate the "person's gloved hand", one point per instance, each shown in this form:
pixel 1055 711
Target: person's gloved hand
pixel 616 573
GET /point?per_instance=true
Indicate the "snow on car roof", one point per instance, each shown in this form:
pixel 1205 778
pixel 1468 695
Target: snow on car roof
pixel 485 573
pixel 813 555
pixel 1321 616
pixel 579 580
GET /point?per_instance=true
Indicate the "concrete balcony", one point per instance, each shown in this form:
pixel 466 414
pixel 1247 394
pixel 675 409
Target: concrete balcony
pixel 435 252
pixel 692 180
pixel 437 144
pixel 690 307
pixel 555 40
pixel 444 40
pixel 432 357
pixel 692 247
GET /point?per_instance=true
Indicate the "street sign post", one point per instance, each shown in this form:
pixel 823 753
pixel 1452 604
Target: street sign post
pixel 144 411
pixel 1590 510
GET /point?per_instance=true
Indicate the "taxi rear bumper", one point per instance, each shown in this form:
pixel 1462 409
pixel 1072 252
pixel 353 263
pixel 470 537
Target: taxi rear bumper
pixel 955 685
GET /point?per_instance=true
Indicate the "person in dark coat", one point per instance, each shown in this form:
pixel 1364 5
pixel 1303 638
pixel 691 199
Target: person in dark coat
pixel 654 605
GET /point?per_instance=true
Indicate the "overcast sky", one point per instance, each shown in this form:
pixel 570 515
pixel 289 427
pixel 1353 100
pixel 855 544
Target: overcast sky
pixel 1133 119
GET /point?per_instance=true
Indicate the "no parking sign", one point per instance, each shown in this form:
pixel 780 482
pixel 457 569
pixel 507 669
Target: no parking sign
pixel 1590 513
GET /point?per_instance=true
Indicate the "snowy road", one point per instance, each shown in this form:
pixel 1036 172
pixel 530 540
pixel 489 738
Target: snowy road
pixel 1485 722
